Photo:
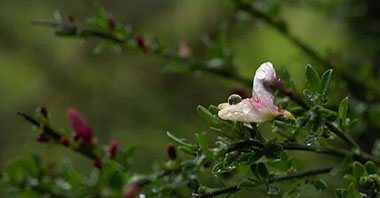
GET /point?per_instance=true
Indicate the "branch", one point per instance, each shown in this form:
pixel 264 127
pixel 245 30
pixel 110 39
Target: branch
pixel 233 189
pixel 255 145
pixel 294 97
pixel 356 86
pixel 56 136
pixel 70 30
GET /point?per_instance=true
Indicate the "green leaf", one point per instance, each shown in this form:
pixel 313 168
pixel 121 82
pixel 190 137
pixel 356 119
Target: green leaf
pixel 325 81
pixel 341 193
pixel 248 183
pixel 307 96
pixel 203 145
pixel 343 107
pixel 178 142
pixel 370 167
pixel 272 149
pixel 312 79
pixel 320 185
pixel 359 170
pixel 207 116
pixel 219 168
pixel 352 191
pixel 116 180
pixel 99 11
pixel 213 109
pixel 263 171
pixel 255 170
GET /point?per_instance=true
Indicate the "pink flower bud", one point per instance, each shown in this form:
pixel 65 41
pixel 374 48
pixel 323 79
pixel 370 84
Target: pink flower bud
pixel 42 137
pixel 140 41
pixel 112 149
pixel 184 50
pixel 64 141
pixel 79 125
pixel 111 23
pixel 172 152
pixel 97 163
pixel 130 191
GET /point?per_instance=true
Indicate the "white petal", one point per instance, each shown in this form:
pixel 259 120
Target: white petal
pixel 246 112
pixel 265 72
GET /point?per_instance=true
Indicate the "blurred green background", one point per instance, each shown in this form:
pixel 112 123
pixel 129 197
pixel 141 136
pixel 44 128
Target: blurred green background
pixel 128 96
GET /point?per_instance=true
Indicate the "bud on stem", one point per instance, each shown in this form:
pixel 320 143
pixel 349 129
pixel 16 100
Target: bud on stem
pixel 42 137
pixel 140 41
pixel 172 152
pixel 64 141
pixel 111 23
pixel 79 125
pixel 112 149
pixel 130 191
pixel 97 163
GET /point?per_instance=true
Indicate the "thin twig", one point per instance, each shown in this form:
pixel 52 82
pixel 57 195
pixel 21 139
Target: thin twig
pixel 87 32
pixel 85 151
pixel 235 188
pixel 356 86
pixel 289 146
pixel 304 105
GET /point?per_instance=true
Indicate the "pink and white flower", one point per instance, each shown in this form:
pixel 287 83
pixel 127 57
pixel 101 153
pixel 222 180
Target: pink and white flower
pixel 260 107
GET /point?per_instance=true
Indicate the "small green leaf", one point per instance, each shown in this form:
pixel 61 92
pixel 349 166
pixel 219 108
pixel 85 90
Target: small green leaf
pixel 370 167
pixel 203 145
pixel 307 96
pixel 213 109
pixel 263 171
pixel 116 180
pixel 352 191
pixel 248 183
pixel 255 170
pixel 312 79
pixel 272 149
pixel 343 107
pixel 325 81
pixel 320 185
pixel 341 193
pixel 178 142
pixel 99 11
pixel 359 170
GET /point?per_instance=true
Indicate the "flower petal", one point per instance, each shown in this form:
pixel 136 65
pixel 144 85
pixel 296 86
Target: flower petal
pixel 245 111
pixel 264 73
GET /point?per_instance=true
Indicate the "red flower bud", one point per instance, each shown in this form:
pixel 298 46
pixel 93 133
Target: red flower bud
pixel 172 152
pixel 43 112
pixel 130 191
pixel 140 41
pixel 64 141
pixel 184 50
pixel 97 163
pixel 79 125
pixel 112 149
pixel 111 23
pixel 70 18
pixel 42 137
